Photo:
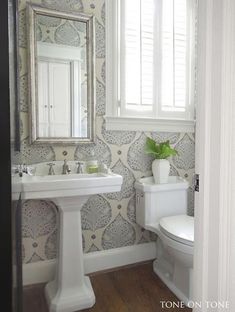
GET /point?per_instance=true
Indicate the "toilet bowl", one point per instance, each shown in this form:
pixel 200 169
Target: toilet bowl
pixel 162 209
pixel 176 239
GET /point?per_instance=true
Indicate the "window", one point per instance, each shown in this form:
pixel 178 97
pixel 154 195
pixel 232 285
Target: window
pixel 150 64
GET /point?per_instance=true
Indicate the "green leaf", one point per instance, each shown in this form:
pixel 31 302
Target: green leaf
pixel 150 147
pixel 161 150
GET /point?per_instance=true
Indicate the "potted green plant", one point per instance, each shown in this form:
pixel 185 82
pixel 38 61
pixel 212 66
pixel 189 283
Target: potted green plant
pixel 160 165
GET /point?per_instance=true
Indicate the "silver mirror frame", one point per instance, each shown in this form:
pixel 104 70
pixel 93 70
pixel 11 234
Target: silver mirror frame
pixel 14 74
pixel 32 12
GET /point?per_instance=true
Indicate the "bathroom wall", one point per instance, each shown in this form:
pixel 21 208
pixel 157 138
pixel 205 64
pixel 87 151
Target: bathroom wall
pixel 108 220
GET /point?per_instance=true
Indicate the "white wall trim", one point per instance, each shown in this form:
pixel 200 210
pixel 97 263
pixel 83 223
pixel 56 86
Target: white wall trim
pixel 149 124
pixel 38 272
pixel 203 148
pixel 214 227
pixel 226 139
pixel 44 271
pixel 111 54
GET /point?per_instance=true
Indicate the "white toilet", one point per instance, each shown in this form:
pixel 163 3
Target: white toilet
pixel 162 209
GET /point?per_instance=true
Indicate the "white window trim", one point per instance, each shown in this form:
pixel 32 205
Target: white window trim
pixel 113 121
pixel 149 124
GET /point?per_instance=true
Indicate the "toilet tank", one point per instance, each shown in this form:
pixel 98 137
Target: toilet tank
pixel 155 201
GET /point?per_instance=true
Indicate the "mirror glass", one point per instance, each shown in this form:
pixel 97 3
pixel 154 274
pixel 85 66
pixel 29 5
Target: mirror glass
pixel 62 70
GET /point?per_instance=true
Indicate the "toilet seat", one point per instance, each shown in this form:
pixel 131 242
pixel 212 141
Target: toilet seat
pixel 179 228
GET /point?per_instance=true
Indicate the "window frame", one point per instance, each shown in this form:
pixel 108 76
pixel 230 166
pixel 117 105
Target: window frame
pixel 167 123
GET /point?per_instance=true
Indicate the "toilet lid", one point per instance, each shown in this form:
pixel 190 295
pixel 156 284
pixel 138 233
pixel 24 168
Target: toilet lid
pixel 179 228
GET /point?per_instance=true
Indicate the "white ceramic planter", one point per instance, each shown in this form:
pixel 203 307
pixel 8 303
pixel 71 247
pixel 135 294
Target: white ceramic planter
pixel 161 170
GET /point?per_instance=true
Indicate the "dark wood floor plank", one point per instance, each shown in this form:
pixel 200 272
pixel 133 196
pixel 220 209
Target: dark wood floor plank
pixel 107 298
pixel 34 299
pixel 156 294
pixel 133 289
pixel 129 287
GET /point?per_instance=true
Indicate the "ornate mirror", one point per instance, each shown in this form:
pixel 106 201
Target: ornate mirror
pixel 61 54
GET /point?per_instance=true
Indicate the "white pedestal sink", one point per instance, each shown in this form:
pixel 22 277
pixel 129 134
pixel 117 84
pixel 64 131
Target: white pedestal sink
pixel 71 290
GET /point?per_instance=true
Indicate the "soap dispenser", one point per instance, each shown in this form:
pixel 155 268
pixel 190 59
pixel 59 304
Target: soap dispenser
pixel 92 163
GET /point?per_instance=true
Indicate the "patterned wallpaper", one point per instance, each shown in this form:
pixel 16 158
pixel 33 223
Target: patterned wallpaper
pixel 108 220
pixel 61 31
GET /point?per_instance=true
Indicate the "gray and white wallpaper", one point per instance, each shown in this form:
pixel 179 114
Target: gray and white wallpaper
pixel 108 220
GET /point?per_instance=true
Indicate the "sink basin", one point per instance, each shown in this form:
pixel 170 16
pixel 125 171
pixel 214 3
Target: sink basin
pixel 67 185
pixel 70 290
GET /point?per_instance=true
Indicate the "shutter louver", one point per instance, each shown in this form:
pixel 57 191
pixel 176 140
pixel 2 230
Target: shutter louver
pixel 174 55
pixel 139 56
pixel 155 60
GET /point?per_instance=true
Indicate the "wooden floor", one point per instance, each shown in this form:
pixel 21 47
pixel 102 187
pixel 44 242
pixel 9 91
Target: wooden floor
pixel 133 289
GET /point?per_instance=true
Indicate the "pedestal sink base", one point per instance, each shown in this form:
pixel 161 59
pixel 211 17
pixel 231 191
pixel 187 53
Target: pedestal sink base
pixel 70 301
pixel 70 291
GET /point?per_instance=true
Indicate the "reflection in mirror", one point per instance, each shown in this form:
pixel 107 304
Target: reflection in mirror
pixel 62 75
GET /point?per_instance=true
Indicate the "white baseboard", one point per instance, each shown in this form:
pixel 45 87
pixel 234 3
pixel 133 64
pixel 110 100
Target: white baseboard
pixel 38 272
pixel 44 271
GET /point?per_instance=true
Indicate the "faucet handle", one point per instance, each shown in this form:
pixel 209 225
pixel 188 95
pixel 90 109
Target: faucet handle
pixel 30 170
pixel 65 168
pixel 80 168
pixel 51 169
pixel 23 168
pixel 18 169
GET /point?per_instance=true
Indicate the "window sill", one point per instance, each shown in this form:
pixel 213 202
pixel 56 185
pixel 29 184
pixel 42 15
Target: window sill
pixel 149 124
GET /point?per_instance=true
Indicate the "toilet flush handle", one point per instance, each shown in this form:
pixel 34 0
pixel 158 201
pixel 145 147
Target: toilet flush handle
pixel 196 182
pixel 138 195
pixel 137 198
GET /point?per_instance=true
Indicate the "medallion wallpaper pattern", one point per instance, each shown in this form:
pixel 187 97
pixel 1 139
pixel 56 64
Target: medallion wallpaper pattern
pixel 108 220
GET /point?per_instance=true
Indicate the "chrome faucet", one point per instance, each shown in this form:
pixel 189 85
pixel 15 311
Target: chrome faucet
pixel 66 169
pixel 51 169
pixel 80 168
pixel 23 168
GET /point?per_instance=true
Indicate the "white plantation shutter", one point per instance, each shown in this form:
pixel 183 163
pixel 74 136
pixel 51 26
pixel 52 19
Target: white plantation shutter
pixel 138 57
pixel 156 59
